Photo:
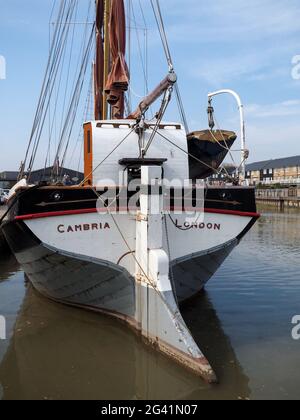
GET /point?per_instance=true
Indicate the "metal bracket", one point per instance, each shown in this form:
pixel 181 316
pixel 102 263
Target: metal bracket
pixel 141 217
pixel 141 278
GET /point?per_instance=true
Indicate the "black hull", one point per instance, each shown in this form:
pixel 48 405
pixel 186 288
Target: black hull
pixel 38 201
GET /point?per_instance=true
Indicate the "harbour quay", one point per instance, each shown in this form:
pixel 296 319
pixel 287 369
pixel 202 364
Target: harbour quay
pixel 281 197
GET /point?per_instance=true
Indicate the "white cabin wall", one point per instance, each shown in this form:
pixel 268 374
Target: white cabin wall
pixel 106 138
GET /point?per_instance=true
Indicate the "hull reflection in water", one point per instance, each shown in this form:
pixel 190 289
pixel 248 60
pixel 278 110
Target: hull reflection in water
pixel 58 352
pixel 8 266
pixel 4 248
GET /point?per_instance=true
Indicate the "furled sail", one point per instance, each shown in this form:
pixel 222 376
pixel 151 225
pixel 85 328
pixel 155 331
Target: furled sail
pixel 118 78
pixel 99 64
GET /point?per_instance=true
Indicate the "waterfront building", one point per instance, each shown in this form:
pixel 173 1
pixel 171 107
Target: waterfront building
pixel 284 171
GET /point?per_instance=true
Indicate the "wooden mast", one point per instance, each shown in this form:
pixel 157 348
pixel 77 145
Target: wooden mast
pixel 110 70
pixel 101 71
pixel 106 55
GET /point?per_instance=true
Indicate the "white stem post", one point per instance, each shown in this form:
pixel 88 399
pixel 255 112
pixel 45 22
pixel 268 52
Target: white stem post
pixel 157 314
pixel 242 121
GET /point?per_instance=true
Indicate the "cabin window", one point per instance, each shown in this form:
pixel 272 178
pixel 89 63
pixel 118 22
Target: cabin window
pixel 89 142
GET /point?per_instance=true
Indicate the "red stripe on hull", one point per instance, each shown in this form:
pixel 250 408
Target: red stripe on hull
pixel 104 211
pixel 228 212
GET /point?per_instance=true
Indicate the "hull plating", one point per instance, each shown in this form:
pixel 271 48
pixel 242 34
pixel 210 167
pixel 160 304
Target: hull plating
pixel 82 261
pixel 100 284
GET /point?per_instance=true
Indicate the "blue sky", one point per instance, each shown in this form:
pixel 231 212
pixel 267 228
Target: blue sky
pixel 237 44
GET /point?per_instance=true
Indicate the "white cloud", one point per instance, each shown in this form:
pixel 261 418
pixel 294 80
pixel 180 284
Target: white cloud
pixel 233 19
pixel 270 73
pixel 283 109
pixel 252 64
pixel 271 141
pixel 219 70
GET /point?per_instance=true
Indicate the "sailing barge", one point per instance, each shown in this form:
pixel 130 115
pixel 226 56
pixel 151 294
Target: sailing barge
pixel 127 242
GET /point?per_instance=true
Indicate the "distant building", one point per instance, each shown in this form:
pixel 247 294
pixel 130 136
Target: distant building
pixel 48 175
pixel 8 179
pixel 228 171
pixel 285 171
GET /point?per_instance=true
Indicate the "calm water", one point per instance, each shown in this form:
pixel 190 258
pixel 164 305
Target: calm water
pixel 242 323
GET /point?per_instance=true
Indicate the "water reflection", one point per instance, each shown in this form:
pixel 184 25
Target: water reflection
pixel 57 352
pixel 4 249
pixel 8 266
pixel 208 332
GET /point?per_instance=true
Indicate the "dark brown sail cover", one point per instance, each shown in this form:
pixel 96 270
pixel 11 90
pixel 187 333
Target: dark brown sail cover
pixel 207 150
pixel 99 64
pixel 118 78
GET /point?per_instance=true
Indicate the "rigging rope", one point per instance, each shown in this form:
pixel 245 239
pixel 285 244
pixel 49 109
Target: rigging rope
pixel 187 153
pixel 161 27
pixel 72 112
pixel 143 60
pixel 164 105
pixel 230 152
pixel 77 87
pixel 52 83
pixel 61 31
pixel 68 77
pixel 212 122
pixel 176 314
pixel 85 117
pixel 105 159
pixel 51 127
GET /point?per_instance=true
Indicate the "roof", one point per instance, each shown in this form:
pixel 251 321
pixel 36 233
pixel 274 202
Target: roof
pixel 13 175
pixel 49 171
pixel 288 162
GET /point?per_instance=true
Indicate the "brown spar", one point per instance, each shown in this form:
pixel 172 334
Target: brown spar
pixel 168 82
